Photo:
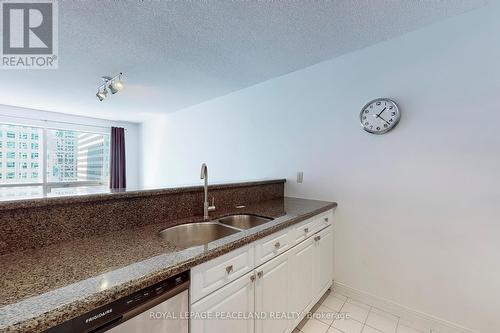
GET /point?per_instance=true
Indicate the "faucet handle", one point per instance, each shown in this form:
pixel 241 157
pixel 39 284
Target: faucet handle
pixel 211 207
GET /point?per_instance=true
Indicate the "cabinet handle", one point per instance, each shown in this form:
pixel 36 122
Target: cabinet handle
pixel 326 219
pixel 277 245
pixel 229 269
pixel 260 274
pixel 317 238
pixel 252 277
pixel 306 230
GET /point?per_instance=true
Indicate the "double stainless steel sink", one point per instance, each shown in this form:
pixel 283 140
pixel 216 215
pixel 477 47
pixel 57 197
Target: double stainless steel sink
pixel 200 233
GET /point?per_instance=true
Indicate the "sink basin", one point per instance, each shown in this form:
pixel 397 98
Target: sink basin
pixel 244 221
pixel 193 234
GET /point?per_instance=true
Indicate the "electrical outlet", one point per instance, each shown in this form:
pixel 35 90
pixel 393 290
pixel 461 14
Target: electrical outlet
pixel 300 177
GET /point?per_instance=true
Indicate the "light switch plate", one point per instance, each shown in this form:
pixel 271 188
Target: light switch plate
pixel 300 177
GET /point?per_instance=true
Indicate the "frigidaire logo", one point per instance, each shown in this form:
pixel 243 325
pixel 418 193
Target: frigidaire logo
pixel 97 316
pixel 29 34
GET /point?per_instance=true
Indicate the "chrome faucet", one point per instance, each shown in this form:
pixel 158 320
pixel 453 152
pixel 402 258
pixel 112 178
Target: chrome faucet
pixel 206 207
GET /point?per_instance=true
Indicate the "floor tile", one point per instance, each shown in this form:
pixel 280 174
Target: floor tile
pixel 356 310
pixel 348 325
pixel 334 303
pixel 382 321
pixel 314 326
pixel 334 330
pixel 325 315
pixel 368 329
pixel 339 296
pixel 406 329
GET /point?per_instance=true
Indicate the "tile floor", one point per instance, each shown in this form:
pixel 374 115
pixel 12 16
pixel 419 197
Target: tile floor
pixel 361 318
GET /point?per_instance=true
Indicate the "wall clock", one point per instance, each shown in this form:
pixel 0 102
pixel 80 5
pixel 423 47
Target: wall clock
pixel 379 116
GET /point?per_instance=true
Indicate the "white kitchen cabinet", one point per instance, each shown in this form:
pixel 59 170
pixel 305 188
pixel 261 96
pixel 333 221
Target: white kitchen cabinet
pixel 272 246
pixel 234 298
pixel 324 220
pixel 273 291
pixel 286 272
pixel 218 272
pixel 303 263
pixel 303 230
pixel 323 249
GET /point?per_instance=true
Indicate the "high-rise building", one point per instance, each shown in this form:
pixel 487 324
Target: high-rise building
pixel 20 154
pixel 93 156
pixel 62 153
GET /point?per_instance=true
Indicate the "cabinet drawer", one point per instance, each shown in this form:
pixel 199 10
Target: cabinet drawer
pixel 272 245
pixel 303 230
pixel 214 274
pixel 323 220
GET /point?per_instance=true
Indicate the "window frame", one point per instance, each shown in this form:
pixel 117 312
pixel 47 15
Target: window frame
pixel 48 186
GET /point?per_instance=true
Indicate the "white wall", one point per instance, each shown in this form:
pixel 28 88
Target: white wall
pixel 418 219
pixel 40 118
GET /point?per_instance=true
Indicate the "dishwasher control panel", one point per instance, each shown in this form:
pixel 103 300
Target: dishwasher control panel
pixel 112 314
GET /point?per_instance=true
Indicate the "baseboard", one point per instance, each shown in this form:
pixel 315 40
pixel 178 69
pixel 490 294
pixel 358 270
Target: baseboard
pixel 413 318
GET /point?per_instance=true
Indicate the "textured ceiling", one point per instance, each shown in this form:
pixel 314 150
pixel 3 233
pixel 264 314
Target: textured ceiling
pixel 179 53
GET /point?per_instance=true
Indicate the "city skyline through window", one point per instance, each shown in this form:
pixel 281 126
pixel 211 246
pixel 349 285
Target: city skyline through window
pixel 65 156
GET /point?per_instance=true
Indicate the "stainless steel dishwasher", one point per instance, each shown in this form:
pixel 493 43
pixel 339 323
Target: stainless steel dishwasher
pixel 161 308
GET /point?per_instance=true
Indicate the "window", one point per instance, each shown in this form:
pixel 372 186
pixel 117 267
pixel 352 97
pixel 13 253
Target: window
pixel 46 156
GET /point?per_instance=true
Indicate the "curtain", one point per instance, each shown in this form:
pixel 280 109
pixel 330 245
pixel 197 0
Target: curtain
pixel 118 177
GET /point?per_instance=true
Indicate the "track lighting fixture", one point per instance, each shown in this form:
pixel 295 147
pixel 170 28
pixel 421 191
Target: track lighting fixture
pixel 115 84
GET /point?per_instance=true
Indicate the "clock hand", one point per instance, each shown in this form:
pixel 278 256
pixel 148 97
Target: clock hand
pixel 381 112
pixel 383 120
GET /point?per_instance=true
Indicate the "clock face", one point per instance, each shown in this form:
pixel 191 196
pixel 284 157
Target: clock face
pixel 379 116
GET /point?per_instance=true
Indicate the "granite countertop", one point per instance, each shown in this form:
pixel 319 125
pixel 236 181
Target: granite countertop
pixel 51 199
pixel 42 288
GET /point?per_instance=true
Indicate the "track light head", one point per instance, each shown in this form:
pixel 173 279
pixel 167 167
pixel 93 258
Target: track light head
pixel 115 86
pixel 102 94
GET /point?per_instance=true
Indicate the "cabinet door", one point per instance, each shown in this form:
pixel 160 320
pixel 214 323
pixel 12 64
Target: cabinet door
pixel 302 274
pixel 324 259
pixel 236 297
pixel 272 295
